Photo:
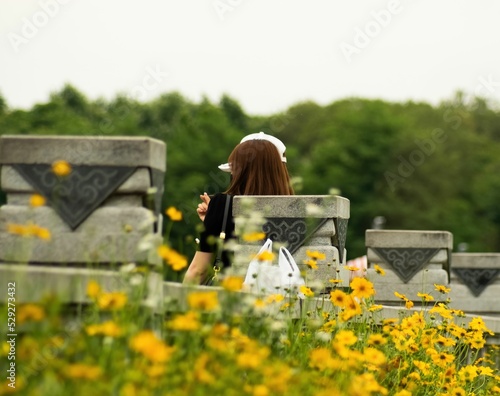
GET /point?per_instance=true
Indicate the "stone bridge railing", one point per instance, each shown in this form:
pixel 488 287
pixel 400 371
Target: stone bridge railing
pixel 414 261
pixel 103 203
pixel 100 198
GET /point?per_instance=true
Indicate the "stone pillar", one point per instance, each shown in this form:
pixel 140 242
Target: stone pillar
pixel 413 261
pixel 96 214
pixel 475 282
pixel 301 223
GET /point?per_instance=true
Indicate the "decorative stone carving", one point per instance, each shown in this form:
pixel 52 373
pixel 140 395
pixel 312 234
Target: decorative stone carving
pixel 413 261
pixel 406 262
pixel 475 282
pixel 97 213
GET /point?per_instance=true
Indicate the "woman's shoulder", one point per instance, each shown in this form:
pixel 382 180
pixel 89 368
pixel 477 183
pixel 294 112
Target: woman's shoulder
pixel 219 198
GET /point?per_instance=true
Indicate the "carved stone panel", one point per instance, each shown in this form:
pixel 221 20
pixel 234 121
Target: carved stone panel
pixel 75 196
pixel 406 262
pixel 477 279
pixel 292 231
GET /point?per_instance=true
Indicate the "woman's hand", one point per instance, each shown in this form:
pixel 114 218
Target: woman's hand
pixel 203 206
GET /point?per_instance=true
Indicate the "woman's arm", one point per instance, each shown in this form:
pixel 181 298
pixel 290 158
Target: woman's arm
pixel 198 269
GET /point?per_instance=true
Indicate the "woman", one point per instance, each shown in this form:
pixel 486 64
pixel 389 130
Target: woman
pixel 258 167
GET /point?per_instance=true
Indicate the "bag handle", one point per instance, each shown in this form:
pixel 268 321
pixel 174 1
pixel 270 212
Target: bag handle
pixel 222 235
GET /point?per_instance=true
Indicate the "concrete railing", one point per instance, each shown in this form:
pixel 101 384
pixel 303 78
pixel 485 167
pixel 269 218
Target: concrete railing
pixel 475 282
pixel 301 223
pixel 100 202
pixel 414 261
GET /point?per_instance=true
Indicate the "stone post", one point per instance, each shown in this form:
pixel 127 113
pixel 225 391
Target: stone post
pixel 301 223
pixel 100 201
pixel 475 282
pixel 413 261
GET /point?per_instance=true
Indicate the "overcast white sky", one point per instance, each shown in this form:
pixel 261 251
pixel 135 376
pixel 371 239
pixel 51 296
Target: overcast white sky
pixel 267 54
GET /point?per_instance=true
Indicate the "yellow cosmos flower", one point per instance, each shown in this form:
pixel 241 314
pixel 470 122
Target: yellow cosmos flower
pixel 29 230
pixel 374 356
pixel 265 256
pixel 109 329
pixel 362 288
pixel 252 359
pixel 83 371
pixel 315 255
pixel 338 298
pixel 329 326
pixel 468 373
pixel 321 359
pixel 232 283
pixel 258 303
pixel 476 342
pixel 203 301
pixel 30 313
pixel 484 370
pixel 379 270
pixel 424 367
pixel 401 296
pixel 335 281
pixel 200 369
pixel 156 371
pixel 37 200
pixel 442 310
pixel 185 322
pixel 61 168
pixel 368 384
pixel 441 289
pixel 403 392
pixel 376 340
pixel 174 214
pixel 275 298
pixel 151 347
pixel 306 291
pixel 254 236
pixel 174 259
pixel 311 264
pixel 402 343
pixel 442 359
pixel 93 289
pixel 445 341
pixel 345 338
pixel 112 301
pixel 426 297
pixel 457 391
pixel 478 324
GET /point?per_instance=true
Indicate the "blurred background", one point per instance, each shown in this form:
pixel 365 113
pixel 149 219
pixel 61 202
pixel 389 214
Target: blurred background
pixel 391 104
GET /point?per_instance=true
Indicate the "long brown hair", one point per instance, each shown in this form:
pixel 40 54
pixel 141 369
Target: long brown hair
pixel 257 169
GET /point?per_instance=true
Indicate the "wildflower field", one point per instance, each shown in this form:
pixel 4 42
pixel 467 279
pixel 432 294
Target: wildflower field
pixel 226 341
pixel 223 341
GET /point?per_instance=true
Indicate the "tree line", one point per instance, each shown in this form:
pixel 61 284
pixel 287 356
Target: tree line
pixel 416 165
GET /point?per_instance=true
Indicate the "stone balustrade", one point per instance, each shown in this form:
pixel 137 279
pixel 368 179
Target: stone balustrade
pixel 301 223
pixel 96 214
pixel 413 261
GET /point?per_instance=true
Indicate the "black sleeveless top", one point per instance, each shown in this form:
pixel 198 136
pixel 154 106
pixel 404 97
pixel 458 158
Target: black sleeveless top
pixel 213 227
